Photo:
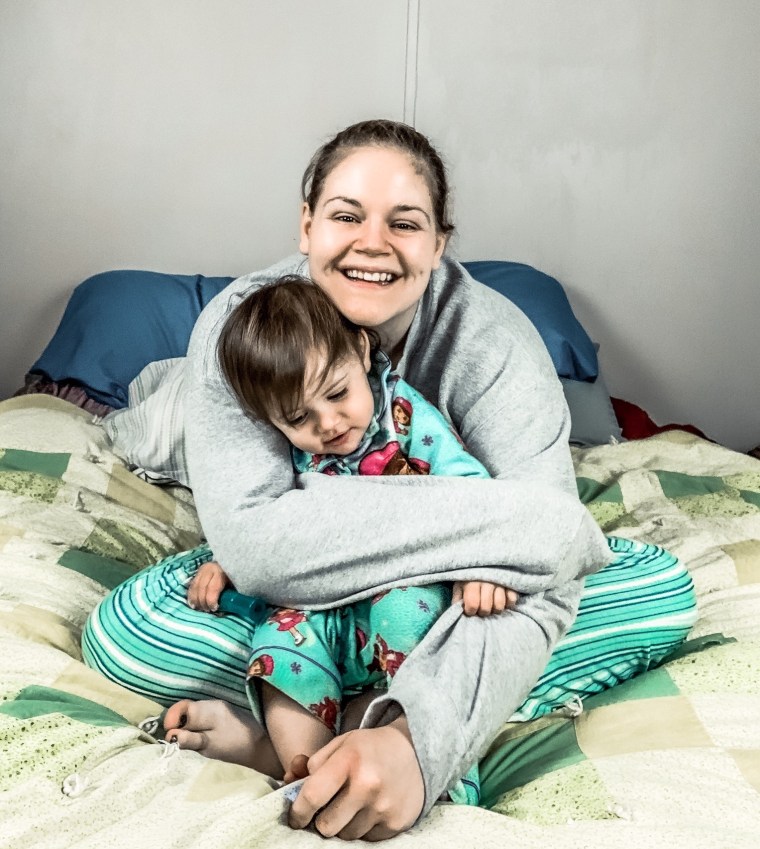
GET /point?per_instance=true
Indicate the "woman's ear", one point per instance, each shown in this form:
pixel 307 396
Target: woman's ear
pixel 366 349
pixel 306 219
pixel 440 247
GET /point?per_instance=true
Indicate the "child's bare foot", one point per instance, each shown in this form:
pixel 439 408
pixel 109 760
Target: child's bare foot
pixel 298 769
pixel 219 730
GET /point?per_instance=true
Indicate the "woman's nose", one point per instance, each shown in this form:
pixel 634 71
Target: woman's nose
pixel 372 237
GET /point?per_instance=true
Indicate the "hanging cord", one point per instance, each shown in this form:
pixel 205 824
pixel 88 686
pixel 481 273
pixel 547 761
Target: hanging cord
pixel 573 707
pixel 75 784
pixel 150 725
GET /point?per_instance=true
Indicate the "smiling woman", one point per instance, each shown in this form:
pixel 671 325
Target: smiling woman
pixel 374 226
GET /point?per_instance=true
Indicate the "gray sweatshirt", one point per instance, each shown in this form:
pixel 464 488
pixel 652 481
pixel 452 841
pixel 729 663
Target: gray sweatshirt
pixel 313 541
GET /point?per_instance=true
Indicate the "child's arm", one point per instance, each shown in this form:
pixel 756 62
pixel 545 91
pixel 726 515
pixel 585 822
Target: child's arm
pixel 482 598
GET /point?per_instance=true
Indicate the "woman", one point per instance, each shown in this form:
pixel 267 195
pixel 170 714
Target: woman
pixel 374 227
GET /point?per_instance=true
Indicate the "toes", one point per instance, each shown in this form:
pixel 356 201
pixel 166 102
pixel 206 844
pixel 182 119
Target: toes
pixel 176 715
pixel 194 741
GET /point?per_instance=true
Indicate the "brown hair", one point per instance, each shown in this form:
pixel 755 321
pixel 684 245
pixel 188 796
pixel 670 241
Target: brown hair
pixel 382 133
pixel 268 338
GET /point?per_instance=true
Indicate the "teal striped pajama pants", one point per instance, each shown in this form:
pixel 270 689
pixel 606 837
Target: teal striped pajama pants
pixel 143 635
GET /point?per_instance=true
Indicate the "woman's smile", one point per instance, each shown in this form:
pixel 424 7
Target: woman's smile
pixel 382 277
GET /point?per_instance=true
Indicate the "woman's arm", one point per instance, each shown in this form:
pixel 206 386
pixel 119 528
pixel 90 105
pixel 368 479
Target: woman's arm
pixel 305 541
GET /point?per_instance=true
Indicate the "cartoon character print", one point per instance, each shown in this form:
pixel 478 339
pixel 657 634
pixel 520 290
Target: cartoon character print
pixel 390 460
pixel 401 465
pixel 385 659
pixel 261 666
pixel 315 460
pixel 401 410
pixel 327 711
pixel 286 619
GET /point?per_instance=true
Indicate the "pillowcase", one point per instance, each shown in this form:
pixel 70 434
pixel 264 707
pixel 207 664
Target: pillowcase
pixel 592 416
pixel 117 322
pixel 544 301
pixel 150 434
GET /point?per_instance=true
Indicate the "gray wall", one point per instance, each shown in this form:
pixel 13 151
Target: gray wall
pixel 612 143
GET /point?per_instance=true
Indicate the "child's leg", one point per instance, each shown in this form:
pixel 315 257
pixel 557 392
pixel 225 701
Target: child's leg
pixel 355 708
pixel 396 622
pixel 293 729
pixel 293 682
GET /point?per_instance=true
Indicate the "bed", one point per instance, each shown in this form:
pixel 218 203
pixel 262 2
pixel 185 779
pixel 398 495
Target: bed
pixel 669 759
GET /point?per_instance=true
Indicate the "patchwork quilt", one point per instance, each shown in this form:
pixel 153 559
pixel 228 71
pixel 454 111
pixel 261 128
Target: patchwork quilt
pixel 669 759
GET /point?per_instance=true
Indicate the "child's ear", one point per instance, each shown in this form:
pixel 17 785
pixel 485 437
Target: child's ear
pixel 366 349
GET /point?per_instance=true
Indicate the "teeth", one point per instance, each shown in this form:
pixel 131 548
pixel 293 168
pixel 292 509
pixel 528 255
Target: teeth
pixel 370 276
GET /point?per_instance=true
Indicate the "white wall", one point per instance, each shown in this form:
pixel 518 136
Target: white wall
pixel 616 145
pixel 168 135
pixel 612 143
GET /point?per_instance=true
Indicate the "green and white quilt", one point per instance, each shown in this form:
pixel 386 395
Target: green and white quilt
pixel 670 759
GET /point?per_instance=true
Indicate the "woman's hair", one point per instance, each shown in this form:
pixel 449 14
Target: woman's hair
pixel 268 342
pixel 382 133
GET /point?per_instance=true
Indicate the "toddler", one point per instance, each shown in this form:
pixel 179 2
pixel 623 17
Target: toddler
pixel 292 359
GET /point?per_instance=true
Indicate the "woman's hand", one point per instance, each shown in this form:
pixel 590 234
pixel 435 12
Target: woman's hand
pixel 481 598
pixel 206 587
pixel 364 784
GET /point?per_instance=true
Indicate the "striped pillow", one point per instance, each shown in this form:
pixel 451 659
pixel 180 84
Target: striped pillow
pixel 150 433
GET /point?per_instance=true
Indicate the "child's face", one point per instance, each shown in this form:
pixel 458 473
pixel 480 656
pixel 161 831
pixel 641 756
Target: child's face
pixel 333 417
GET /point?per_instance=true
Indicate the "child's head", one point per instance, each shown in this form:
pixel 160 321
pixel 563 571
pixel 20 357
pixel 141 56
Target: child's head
pixel 292 359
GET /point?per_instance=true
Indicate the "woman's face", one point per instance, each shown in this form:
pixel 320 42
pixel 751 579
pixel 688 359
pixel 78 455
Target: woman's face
pixel 371 240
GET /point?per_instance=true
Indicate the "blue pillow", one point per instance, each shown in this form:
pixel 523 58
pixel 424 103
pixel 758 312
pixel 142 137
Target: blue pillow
pixel 543 300
pixel 117 322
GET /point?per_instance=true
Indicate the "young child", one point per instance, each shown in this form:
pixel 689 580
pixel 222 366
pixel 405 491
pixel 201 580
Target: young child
pixel 292 359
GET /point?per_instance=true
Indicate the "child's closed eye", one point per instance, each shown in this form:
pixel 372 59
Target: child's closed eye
pixel 296 420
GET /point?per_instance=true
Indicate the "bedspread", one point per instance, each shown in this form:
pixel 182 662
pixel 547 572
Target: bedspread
pixel 669 759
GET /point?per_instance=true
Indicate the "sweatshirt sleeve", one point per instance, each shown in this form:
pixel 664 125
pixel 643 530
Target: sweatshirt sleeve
pixel 469 674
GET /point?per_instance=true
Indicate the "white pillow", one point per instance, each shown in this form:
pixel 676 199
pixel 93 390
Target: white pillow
pixel 150 433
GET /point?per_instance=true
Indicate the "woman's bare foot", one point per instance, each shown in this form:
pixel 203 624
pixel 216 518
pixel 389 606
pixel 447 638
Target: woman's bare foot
pixel 219 730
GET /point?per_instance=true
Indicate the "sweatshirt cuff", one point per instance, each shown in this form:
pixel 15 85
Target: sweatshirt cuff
pixel 386 708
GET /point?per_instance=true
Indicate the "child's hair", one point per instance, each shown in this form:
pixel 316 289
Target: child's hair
pixel 269 338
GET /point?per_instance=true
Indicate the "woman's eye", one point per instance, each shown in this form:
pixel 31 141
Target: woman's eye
pixel 405 225
pixel 345 217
